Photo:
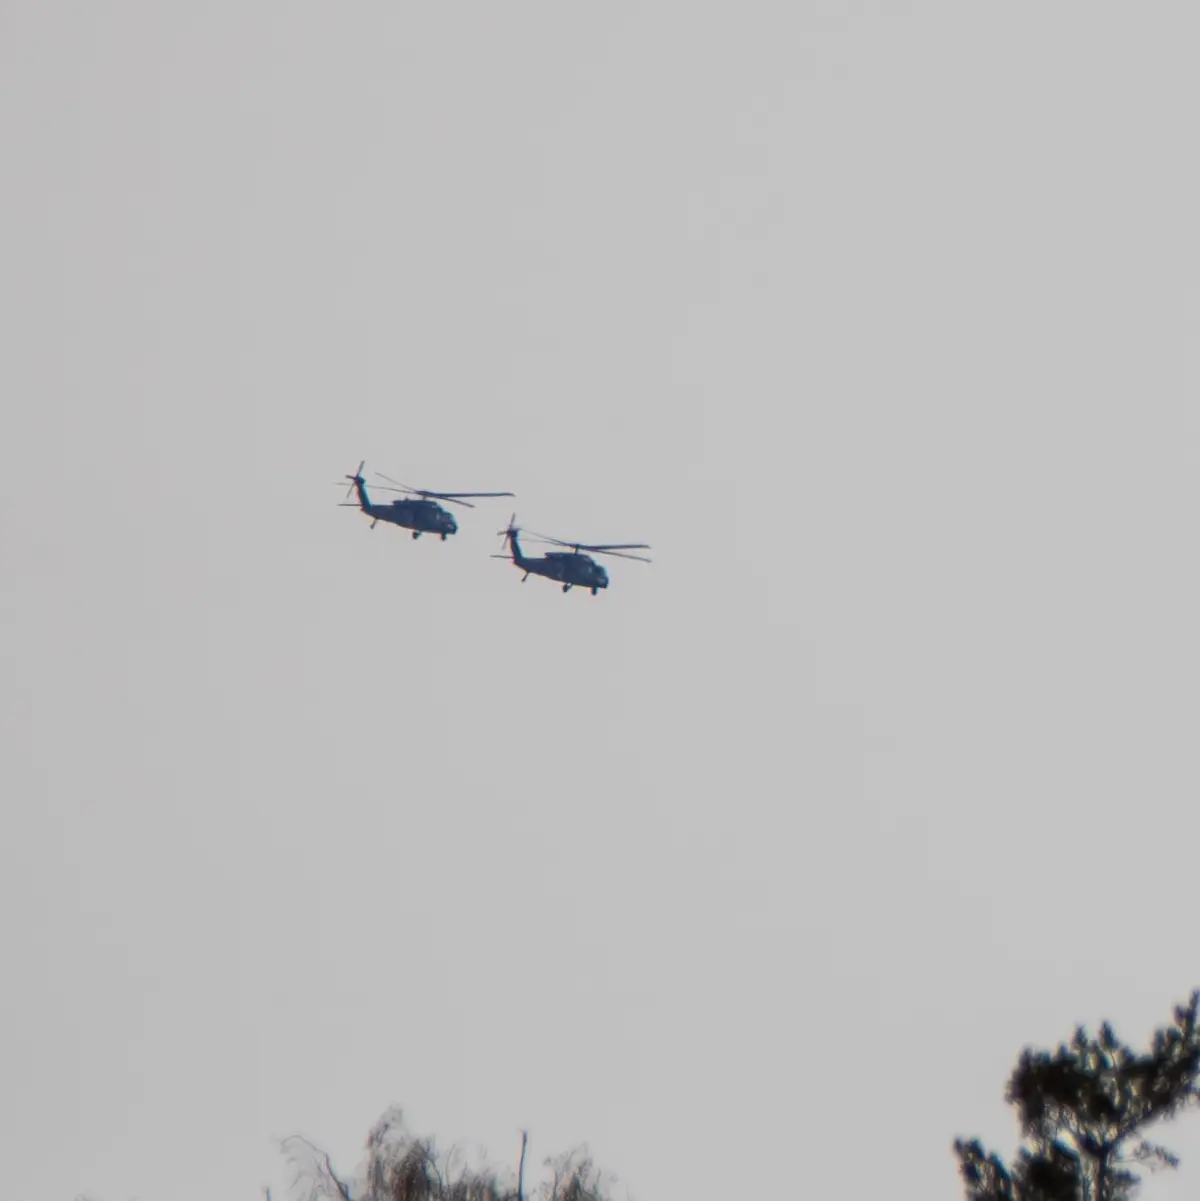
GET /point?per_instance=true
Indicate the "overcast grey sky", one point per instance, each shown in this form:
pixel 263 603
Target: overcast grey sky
pixel 877 320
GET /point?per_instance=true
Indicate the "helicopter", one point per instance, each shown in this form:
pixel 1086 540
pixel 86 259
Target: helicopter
pixel 569 568
pixel 417 511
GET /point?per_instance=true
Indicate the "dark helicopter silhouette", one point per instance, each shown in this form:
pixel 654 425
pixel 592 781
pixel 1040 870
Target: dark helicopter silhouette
pixel 571 568
pixel 418 512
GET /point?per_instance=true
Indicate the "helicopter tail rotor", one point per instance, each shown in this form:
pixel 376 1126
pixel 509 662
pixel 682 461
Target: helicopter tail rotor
pixel 355 479
pixel 508 537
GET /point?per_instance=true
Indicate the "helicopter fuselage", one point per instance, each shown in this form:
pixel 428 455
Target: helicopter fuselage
pixel 421 516
pixel 572 569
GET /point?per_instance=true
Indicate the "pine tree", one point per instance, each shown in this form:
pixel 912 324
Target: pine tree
pixel 1083 1110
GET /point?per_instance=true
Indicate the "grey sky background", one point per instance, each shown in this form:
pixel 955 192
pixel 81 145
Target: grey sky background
pixel 878 321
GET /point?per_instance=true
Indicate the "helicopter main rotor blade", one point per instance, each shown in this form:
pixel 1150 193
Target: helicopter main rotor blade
pixel 396 482
pixel 456 498
pixel 453 500
pixel 454 495
pixel 600 547
pixel 619 554
pixel 547 538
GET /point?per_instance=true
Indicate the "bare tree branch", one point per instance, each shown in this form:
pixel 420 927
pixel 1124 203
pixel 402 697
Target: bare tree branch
pixel 521 1168
pixel 401 1166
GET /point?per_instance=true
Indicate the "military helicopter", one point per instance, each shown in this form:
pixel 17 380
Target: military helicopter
pixel 418 511
pixel 569 569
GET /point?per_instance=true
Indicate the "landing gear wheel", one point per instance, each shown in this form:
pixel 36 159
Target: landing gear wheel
pixel 443 537
pixel 416 534
pixel 566 587
pixel 595 591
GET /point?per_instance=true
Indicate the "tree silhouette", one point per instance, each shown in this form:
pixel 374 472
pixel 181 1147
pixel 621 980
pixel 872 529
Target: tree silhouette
pixel 1084 1110
pixel 400 1166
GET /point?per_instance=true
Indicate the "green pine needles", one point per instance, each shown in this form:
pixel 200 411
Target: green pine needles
pixel 1084 1111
